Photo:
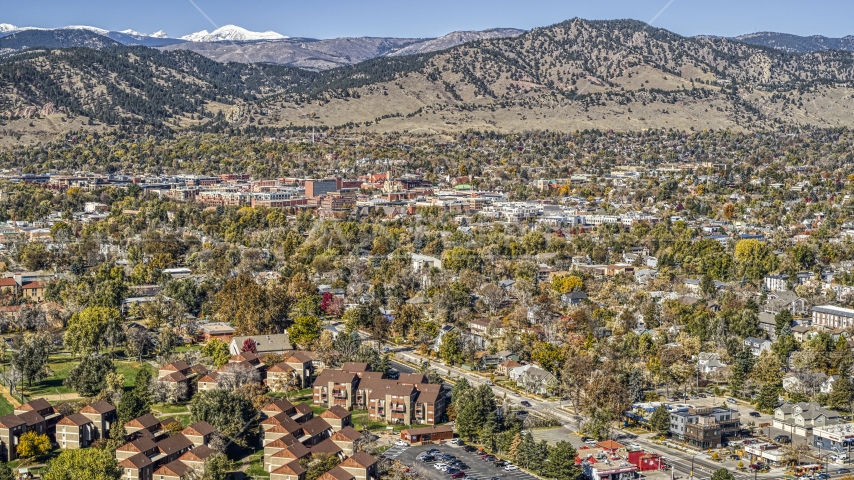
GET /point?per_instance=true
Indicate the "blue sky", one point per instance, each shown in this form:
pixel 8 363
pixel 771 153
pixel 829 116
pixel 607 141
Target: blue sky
pixel 410 18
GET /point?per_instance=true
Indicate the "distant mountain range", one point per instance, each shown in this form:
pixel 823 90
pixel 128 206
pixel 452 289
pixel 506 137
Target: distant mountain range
pixel 235 44
pixel 797 44
pixel 125 37
pixel 54 39
pixel 317 55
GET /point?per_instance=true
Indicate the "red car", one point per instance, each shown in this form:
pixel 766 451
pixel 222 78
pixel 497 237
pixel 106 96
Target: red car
pixel 458 475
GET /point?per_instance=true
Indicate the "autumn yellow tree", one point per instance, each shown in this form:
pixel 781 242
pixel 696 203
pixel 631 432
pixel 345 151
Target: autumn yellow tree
pixel 31 445
pixel 567 283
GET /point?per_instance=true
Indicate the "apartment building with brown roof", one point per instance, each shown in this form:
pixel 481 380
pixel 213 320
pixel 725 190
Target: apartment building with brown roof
pixel 103 416
pixel 337 417
pixel 75 431
pixel 11 429
pixel 335 387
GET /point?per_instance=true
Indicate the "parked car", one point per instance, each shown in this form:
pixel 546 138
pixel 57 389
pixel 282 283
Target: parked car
pixel 452 470
pixel 589 441
pixel 783 439
pixel 525 403
pixel 755 414
pixel 702 395
pixel 843 471
pixel 458 475
pixel 822 476
pixel 730 400
pixel 469 449
pixel 434 451
pixel 489 384
pixel 401 443
pixel 500 463
pixel 488 458
pixel 427 458
pixel 440 466
pixel 510 468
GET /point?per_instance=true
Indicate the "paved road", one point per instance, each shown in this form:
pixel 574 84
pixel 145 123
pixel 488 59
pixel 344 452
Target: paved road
pixel 681 461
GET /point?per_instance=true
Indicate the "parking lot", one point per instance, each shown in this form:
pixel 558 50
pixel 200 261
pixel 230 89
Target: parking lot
pixel 478 469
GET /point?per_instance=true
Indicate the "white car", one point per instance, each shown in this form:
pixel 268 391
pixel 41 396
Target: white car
pixel 510 468
pixel 455 441
pixel 401 443
pixel 440 466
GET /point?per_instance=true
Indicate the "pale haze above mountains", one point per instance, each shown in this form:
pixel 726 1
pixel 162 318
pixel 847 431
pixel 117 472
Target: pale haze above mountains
pixel 232 43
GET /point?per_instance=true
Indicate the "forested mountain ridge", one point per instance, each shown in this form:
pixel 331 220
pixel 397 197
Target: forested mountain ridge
pixel 622 75
pixel 53 39
pixel 131 84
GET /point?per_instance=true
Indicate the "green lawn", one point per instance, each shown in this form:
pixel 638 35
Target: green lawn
pixel 5 407
pixel 61 364
pixel 188 348
pixel 318 410
pixel 170 408
pixel 256 465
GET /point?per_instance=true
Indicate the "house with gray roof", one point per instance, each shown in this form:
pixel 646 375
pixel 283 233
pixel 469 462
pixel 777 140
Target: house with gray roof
pixel 277 343
pixel 798 419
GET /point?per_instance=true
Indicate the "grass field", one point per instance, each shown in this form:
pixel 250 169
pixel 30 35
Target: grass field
pixel 62 363
pixel 5 407
pixel 256 465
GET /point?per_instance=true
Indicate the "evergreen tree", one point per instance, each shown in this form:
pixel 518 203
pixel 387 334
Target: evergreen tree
pixel 768 396
pixel 526 451
pixel 468 420
pixel 842 394
pixel 660 420
pixel 561 462
pixel 131 406
pixel 781 320
pixel 488 432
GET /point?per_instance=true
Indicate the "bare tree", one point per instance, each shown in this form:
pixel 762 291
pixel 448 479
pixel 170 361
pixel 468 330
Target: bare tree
pixel 235 375
pixel 31 318
pixel 493 297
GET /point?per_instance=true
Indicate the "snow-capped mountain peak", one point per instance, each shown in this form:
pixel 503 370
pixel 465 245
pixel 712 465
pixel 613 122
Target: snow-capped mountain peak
pixel 158 34
pixel 231 33
pixel 6 27
pixel 99 31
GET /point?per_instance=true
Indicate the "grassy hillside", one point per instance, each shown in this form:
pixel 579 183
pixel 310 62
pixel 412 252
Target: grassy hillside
pixel 621 75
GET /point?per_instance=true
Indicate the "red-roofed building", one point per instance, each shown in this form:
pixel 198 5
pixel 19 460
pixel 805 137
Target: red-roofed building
pixel 8 286
pixel 646 461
